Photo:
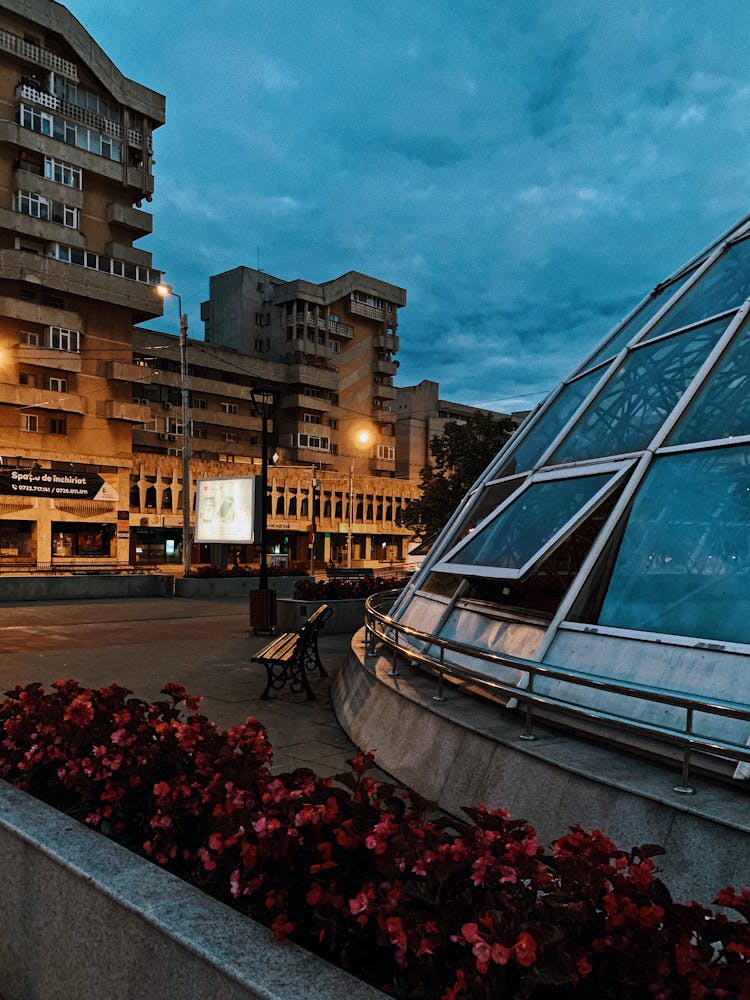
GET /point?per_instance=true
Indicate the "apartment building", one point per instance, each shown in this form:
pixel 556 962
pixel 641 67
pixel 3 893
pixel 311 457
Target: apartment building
pixel 422 415
pixel 75 170
pixel 338 340
pixel 318 512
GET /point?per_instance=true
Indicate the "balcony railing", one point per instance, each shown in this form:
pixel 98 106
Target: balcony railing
pixel 362 309
pixel 341 329
pixel 37 55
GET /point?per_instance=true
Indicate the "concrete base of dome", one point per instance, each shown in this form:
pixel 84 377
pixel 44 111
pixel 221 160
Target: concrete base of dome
pixel 465 750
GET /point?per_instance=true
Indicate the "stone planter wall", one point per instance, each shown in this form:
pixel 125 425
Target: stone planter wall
pixel 229 587
pixel 77 588
pixel 348 616
pixel 83 917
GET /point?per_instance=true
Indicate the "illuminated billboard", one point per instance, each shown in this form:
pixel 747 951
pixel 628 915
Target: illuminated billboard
pixel 225 509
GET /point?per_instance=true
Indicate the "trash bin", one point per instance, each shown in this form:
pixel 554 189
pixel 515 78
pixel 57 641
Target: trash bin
pixel 262 610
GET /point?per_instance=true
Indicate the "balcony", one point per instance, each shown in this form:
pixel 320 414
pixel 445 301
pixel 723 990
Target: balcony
pixel 315 375
pixel 385 367
pixel 383 391
pixel 138 222
pixel 86 282
pixel 48 357
pixel 37 55
pixel 341 330
pixel 299 401
pixel 203 386
pixel 40 229
pixel 137 178
pixel 34 181
pixel 27 397
pixel 126 371
pixel 386 342
pixel 33 312
pixel 115 409
pixel 362 309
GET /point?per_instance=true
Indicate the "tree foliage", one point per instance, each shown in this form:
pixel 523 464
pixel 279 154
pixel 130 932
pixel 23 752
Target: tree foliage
pixel 459 456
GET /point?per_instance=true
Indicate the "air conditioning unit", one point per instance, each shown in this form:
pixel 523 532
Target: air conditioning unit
pixel 166 406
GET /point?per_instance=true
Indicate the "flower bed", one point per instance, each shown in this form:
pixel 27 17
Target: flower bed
pixel 358 873
pixel 208 572
pixel 357 588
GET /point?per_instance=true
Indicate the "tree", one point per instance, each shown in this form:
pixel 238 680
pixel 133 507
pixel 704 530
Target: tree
pixel 460 455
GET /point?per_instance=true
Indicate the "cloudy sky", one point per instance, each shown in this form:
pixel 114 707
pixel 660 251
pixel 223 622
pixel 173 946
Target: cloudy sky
pixel 527 170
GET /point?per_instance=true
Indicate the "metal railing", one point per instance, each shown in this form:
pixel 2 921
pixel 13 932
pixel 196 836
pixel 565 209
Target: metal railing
pixel 405 640
pixel 75 567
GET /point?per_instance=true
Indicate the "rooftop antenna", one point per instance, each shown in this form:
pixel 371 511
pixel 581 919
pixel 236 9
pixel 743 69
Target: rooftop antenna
pixel 258 268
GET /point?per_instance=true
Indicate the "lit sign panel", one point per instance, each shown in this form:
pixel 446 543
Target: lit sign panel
pixel 224 510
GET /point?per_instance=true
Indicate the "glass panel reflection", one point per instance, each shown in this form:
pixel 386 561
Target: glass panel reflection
pixel 627 332
pixel 526 526
pixel 683 566
pixel 640 395
pixel 724 286
pixel 549 425
pixel 722 408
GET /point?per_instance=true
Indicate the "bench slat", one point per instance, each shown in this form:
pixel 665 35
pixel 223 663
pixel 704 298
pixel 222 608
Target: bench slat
pixel 290 657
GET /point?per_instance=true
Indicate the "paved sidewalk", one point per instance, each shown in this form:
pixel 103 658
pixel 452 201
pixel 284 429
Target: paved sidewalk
pixel 204 645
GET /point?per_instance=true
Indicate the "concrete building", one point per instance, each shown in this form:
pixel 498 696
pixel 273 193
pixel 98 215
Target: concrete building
pixel 337 340
pixel 420 416
pixel 317 512
pixel 75 168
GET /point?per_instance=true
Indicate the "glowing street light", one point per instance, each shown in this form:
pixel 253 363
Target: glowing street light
pixel 362 439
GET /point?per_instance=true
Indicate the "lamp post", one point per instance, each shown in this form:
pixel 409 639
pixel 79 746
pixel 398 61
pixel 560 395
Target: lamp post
pixel 362 439
pixel 314 486
pixel 264 397
pixel 166 290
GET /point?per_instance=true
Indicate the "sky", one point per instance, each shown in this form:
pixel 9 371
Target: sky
pixel 526 170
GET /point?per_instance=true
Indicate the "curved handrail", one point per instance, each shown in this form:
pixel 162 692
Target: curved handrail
pixel 381 627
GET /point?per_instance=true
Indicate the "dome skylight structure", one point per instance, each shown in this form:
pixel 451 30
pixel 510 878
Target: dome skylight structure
pixel 612 533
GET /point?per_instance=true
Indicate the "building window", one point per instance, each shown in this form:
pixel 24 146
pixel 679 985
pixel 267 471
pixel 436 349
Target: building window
pixel 29 422
pixel 334 345
pixel 311 418
pixel 333 423
pixel 199 404
pixel 259 345
pixel 231 437
pixel 63 173
pixel 61 339
pixel 230 408
pixel 386 451
pixel 58 425
pixel 74 135
pixel 58 385
pixel 314 441
pixel 29 337
pixel 71 255
pixel 259 286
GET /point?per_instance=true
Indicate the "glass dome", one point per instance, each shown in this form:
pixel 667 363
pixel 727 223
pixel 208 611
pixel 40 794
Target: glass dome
pixel 612 533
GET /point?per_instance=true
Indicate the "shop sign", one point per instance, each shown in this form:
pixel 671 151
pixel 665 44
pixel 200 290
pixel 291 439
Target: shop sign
pixel 225 509
pixel 52 483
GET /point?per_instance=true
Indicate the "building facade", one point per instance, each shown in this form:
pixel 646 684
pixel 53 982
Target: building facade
pixel 75 168
pixel 338 341
pixel 319 512
pixel 422 415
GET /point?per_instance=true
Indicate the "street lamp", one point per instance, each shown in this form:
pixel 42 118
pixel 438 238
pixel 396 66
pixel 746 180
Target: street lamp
pixel 165 291
pixel 264 397
pixel 362 439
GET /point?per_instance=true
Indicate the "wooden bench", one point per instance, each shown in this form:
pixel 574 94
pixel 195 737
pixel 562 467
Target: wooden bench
pixel 358 573
pixel 290 657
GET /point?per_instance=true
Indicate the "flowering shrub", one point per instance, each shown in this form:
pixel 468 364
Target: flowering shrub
pixel 359 873
pixel 208 572
pixel 345 589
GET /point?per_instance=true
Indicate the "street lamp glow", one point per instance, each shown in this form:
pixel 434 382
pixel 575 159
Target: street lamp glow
pixel 363 437
pixel 164 289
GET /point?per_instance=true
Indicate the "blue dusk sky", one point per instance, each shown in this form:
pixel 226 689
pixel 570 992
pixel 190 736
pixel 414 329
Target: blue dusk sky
pixel 526 170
